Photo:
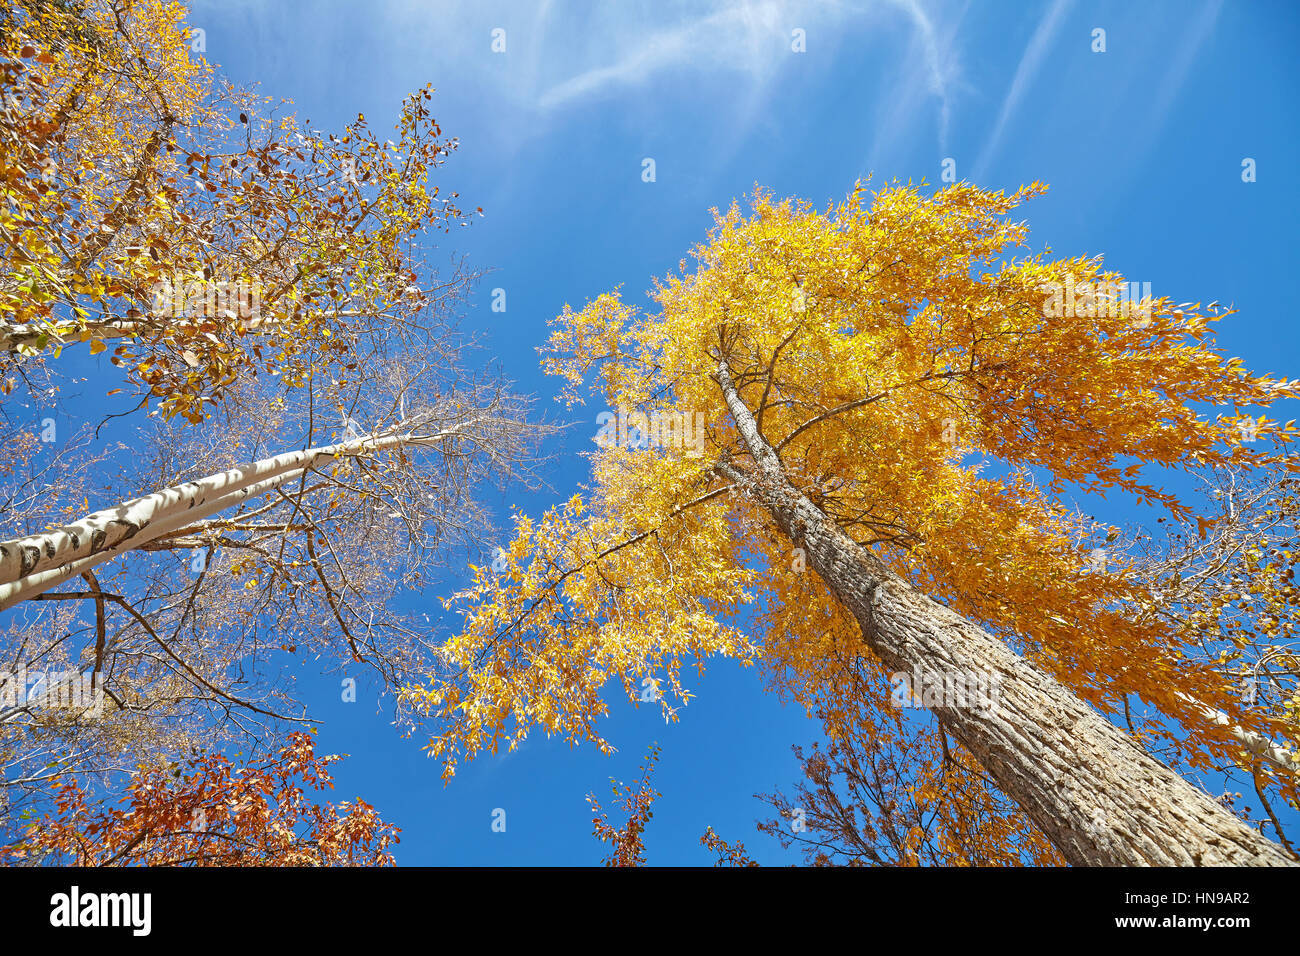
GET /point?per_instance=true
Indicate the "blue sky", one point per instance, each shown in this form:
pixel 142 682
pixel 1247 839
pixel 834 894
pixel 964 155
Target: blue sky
pixel 1142 146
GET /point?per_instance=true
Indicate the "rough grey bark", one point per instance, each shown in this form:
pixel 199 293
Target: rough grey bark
pixel 1093 792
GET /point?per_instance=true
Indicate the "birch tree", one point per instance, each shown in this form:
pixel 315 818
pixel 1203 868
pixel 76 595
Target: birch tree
pixel 183 623
pixel 30 566
pixel 315 439
pixel 896 405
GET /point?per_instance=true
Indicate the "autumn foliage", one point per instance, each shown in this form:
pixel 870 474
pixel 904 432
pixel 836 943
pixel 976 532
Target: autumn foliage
pixel 911 366
pixel 210 813
pixel 627 843
pixel 143 195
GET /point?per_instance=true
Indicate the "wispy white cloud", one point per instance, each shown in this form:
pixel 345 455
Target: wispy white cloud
pixel 731 56
pixel 727 54
pixel 1180 64
pixel 941 67
pixel 751 39
pixel 1030 63
pixel 621 49
pixel 928 75
pixel 745 37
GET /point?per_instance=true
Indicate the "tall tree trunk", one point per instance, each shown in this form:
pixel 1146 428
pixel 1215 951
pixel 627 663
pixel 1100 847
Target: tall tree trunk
pixel 36 563
pixel 15 337
pixel 1092 791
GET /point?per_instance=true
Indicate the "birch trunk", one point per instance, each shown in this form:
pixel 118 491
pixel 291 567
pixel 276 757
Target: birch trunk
pixel 36 563
pixel 27 335
pixel 1094 793
pixel 14 338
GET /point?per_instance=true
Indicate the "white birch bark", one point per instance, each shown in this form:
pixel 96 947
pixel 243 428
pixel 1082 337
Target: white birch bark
pixel 36 563
pixel 16 337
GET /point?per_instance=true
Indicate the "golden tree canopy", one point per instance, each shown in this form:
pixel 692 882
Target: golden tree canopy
pixel 937 391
